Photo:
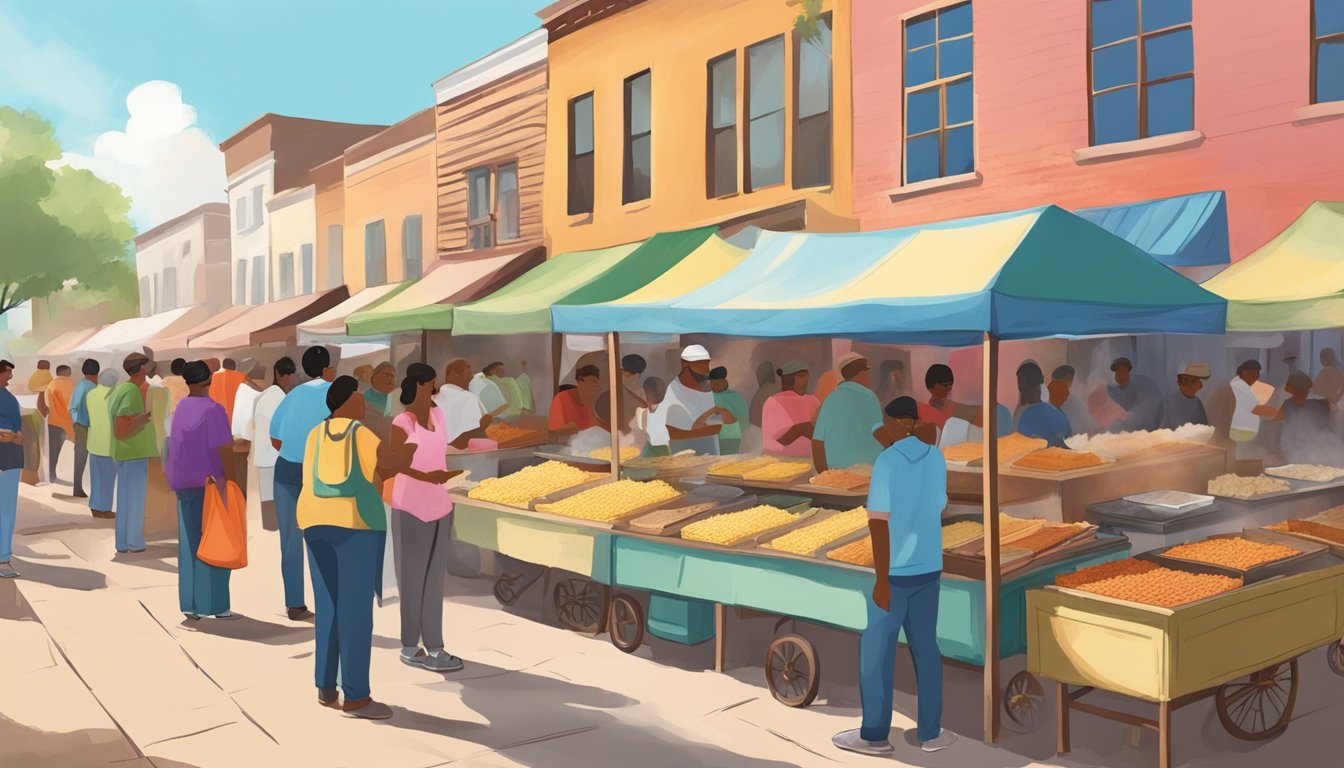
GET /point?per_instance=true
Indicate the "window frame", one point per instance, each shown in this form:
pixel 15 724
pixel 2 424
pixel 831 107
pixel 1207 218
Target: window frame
pixel 573 158
pixel 382 227
pixel 1314 49
pixel 407 258
pixel 517 204
pixel 941 83
pixel 260 279
pixel 307 267
pixel 481 225
pixel 712 191
pixel 1140 84
pixel 335 256
pixel 744 119
pixel 797 122
pixel 241 285
pixel 287 281
pixel 628 138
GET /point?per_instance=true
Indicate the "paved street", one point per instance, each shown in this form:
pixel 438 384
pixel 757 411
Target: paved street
pixel 100 668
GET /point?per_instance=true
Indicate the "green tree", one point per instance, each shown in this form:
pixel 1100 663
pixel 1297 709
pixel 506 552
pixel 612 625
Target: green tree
pixel 61 227
pixel 809 16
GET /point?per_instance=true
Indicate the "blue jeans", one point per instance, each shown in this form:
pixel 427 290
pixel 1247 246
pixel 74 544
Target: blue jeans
pixel 132 483
pixel 9 510
pixel 103 479
pixel 914 606
pixel 291 536
pixel 202 588
pixel 344 564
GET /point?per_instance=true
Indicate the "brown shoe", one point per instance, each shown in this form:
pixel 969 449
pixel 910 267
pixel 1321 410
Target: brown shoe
pixel 366 709
pixel 299 614
pixel 328 697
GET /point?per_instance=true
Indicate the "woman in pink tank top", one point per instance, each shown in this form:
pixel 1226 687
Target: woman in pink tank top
pixel 417 450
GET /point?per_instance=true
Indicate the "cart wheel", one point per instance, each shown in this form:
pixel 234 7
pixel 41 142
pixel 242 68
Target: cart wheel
pixel 625 623
pixel 580 605
pixel 1024 701
pixel 792 670
pixel 505 588
pixel 1259 707
pixel 1334 656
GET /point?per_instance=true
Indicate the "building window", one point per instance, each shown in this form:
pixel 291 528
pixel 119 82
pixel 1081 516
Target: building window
pixel 257 217
pixel 169 295
pixel 156 306
pixel 479 222
pixel 240 283
pixel 146 300
pixel 812 108
pixel 581 155
pixel 721 144
pixel 939 95
pixel 240 214
pixel 375 253
pixel 765 114
pixel 637 182
pixel 1142 69
pixel 287 275
pixel 412 247
pixel 335 256
pixel 506 202
pixel 1327 51
pixel 259 279
pixel 186 249
pixel 306 257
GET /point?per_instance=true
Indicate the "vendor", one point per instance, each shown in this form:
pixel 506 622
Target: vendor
pixel 788 418
pixel 1138 395
pixel 462 410
pixel 632 392
pixel 485 385
pixel 688 419
pixel 1080 418
pixel 1329 382
pixel 1307 437
pixel 1248 411
pixel 572 410
pixel 730 437
pixel 1047 421
pixel 940 407
pixel 849 420
pixel 1030 379
pixel 1184 406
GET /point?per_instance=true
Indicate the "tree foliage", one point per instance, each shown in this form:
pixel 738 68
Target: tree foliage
pixel 61 226
pixel 809 16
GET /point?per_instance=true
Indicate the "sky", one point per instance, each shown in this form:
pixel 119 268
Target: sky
pixel 142 91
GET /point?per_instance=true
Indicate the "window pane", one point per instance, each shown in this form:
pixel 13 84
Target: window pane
pixel 307 256
pixel 170 287
pixel 239 284
pixel 723 148
pixel 812 152
pixel 814 74
pixel 639 104
pixel 506 202
pixel 767 150
pixel 765 68
pixel 256 207
pixel 922 110
pixel 375 254
pixel 1171 107
pixel 478 194
pixel 146 301
pixel 1330 71
pixel 412 247
pixel 1115 116
pixel 581 185
pixel 1115 65
pixel 582 127
pixel 960 151
pixel 1114 20
pixel 919 66
pixel 954 57
pixel 920 32
pixel 286 275
pixel 960 101
pixel 723 99
pixel 335 256
pixel 921 158
pixel 1329 17
pixel 954 21
pixel 1160 14
pixel 240 214
pixel 637 181
pixel 1169 54
pixel 259 279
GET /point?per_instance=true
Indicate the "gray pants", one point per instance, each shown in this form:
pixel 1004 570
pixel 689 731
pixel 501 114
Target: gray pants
pixel 421 552
pixel 81 457
pixel 55 441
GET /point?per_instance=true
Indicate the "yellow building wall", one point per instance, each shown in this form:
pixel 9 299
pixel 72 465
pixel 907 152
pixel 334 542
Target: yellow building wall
pixel 292 226
pixel 392 189
pixel 676 39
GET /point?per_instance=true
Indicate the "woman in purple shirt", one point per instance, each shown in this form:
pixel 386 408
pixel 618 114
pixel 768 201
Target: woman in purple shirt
pixel 200 448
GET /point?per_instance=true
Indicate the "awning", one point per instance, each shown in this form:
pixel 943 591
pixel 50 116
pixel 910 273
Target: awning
pixel 428 303
pixel 67 343
pixel 1295 282
pixel 1027 274
pixel 173 343
pixel 332 322
pixel 1182 231
pixel 131 334
pixel 583 277
pixel 273 322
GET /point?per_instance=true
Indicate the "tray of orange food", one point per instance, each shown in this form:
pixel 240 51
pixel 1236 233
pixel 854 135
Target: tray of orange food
pixel 1254 554
pixel 1011 447
pixel 1141 581
pixel 508 436
pixel 846 480
pixel 1326 528
pixel 1058 461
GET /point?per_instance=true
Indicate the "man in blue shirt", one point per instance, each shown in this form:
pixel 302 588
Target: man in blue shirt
pixel 1138 395
pixel 11 466
pixel 905 510
pixel 302 410
pixel 1047 421
pixel 843 435
pixel 79 414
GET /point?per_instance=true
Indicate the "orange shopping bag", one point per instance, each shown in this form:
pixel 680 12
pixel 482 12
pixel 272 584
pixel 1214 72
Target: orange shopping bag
pixel 223 528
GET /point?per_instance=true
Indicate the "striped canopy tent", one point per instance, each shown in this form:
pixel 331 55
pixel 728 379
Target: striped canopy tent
pixel 1295 282
pixel 1181 231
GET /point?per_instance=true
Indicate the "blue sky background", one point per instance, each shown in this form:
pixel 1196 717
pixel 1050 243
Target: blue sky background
pixel 74 61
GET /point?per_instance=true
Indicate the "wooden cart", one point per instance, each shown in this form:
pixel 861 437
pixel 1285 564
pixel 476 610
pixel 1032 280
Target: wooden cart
pixel 1241 648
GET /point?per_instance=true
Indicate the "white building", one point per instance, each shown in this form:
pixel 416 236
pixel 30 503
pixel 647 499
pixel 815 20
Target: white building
pixel 184 261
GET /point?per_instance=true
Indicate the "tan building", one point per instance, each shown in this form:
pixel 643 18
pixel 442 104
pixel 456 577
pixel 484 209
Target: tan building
pixel 293 241
pixel 185 261
pixel 329 211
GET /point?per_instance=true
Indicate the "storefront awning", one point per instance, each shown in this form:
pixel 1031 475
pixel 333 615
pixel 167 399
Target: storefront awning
pixel 67 343
pixel 1295 282
pixel 332 322
pixel 132 334
pixel 428 303
pixel 274 322
pixel 1182 231
pixel 173 342
pixel 583 277
pixel 1027 274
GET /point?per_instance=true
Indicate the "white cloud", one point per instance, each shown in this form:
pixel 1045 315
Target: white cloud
pixel 163 162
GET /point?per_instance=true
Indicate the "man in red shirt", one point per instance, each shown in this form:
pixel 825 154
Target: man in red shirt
pixel 572 409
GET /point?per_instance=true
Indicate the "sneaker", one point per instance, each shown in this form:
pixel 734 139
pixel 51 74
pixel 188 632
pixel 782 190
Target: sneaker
pixel 299 614
pixel 945 739
pixel 442 661
pixel 366 709
pixel 136 551
pixel 7 571
pixel 415 658
pixel 225 616
pixel 328 697
pixel 192 616
pixel 850 741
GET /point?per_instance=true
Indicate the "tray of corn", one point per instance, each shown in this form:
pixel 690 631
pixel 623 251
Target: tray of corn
pixel 1253 554
pixel 962 532
pixel 522 487
pixel 604 454
pixel 823 530
pixel 732 529
pixel 1141 581
pixel 610 502
pixel 781 473
pixel 738 468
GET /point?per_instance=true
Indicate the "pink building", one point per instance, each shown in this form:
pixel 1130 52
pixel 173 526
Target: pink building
pixel 1242 96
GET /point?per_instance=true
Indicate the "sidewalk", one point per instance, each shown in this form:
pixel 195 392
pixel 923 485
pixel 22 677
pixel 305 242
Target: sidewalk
pixel 101 668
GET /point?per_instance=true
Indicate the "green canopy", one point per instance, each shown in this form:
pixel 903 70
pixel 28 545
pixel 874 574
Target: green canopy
pixel 581 277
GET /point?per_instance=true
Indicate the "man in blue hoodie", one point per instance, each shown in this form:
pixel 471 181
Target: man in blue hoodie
pixel 905 510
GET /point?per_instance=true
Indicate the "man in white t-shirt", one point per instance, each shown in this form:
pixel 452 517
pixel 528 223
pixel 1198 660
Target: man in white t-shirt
pixel 682 420
pixel 264 453
pixel 463 413
pixel 1248 411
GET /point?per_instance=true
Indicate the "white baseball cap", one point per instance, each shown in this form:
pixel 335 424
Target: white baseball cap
pixel 695 354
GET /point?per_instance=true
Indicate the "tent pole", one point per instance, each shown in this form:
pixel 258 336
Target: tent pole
pixel 424 347
pixel 614 409
pixel 557 349
pixel 990 477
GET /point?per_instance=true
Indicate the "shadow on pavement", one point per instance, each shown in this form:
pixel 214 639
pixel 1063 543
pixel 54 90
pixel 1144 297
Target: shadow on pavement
pixel 62 577
pixel 251 630
pixel 21 745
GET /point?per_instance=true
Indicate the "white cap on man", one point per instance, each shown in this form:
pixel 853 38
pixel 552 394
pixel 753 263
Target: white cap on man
pixel 695 354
